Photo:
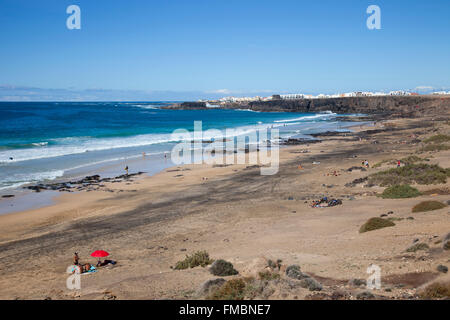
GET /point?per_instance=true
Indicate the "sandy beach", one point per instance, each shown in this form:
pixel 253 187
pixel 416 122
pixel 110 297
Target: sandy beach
pixel 236 214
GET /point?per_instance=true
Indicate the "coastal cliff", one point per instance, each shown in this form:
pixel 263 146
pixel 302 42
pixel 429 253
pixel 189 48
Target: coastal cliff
pixel 402 106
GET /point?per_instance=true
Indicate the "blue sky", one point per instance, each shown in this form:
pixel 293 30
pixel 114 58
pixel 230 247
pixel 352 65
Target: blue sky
pixel 179 49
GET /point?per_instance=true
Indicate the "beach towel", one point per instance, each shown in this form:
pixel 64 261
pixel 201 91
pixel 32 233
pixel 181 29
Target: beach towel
pixel 91 270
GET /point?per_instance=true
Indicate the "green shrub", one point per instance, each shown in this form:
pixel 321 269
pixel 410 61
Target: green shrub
pixel 222 268
pixel 235 289
pixel 428 206
pixel 417 247
pixel 412 173
pixel 412 160
pixel 439 138
pixel 267 275
pixel 274 264
pixel 400 191
pixel 199 258
pixel 375 223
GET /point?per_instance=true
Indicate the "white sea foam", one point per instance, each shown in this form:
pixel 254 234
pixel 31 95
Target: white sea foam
pixel 145 106
pixel 78 145
pixel 17 180
pixel 248 110
pixel 326 114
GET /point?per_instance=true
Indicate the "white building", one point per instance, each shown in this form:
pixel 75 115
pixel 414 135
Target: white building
pixel 399 93
pixel 292 96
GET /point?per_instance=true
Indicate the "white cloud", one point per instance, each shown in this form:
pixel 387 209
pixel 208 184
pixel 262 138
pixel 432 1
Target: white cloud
pixel 424 88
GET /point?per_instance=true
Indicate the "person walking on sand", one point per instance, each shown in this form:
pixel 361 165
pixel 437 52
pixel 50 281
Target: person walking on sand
pixel 76 258
pixel 126 169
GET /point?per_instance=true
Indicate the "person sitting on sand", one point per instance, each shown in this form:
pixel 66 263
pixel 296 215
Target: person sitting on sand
pixel 300 166
pixel 82 268
pixel 86 267
pixel 105 263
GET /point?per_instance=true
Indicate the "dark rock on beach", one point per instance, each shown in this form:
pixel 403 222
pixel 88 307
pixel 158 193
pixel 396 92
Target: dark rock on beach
pixel 356 168
pixel 298 141
pixel 442 268
pixel 355 182
pixel 88 183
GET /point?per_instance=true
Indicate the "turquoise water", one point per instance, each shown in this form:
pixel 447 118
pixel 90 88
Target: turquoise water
pixel 42 141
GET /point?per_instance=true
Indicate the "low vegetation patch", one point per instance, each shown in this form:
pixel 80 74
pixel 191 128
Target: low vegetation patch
pixel 222 268
pixel 414 173
pixel 406 161
pixel 435 147
pixel 274 264
pixel 379 164
pixel 428 206
pixel 439 138
pixel 375 223
pixel 268 276
pixel 235 289
pixel 199 258
pixel 438 290
pixel 413 160
pixel 400 191
pixel 294 272
pixel 441 191
pixel 417 247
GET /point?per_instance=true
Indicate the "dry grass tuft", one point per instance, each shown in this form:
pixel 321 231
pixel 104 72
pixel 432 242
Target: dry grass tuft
pixel 428 206
pixel 374 224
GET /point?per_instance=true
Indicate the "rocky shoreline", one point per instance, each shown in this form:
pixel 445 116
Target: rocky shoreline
pixel 89 183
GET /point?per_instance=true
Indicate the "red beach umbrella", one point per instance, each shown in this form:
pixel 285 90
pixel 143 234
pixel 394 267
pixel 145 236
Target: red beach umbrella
pixel 99 254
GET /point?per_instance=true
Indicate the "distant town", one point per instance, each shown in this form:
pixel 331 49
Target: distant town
pixel 297 96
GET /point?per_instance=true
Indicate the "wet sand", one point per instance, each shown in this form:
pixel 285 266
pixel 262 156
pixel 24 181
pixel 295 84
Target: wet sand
pixel 150 223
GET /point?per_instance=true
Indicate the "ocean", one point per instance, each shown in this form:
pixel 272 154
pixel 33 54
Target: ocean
pixel 44 141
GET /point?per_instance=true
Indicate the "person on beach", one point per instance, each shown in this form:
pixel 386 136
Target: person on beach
pixel 398 163
pixel 126 169
pixel 76 259
pixel 366 163
pixel 105 263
